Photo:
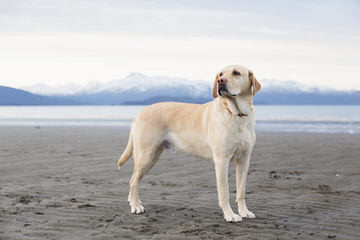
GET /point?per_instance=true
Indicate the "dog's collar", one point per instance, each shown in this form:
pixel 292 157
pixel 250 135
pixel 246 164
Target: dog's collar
pixel 239 115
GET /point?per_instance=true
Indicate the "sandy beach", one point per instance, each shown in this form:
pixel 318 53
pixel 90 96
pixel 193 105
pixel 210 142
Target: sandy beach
pixel 63 183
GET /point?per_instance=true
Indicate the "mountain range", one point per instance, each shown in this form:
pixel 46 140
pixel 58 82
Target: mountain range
pixel 12 96
pixel 140 89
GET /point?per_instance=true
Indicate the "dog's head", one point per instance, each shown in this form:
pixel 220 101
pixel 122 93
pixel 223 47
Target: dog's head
pixel 235 80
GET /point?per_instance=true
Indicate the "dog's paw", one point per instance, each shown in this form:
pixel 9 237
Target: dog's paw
pixel 136 206
pixel 137 209
pixel 233 217
pixel 246 214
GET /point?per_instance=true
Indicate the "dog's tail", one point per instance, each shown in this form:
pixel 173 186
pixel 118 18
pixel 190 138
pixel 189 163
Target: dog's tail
pixel 129 148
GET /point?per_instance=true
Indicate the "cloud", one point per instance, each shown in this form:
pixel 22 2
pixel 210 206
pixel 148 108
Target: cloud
pixel 199 18
pixel 63 41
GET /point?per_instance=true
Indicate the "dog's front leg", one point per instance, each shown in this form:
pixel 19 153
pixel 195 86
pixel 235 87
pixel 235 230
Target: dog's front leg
pixel 242 167
pixel 221 169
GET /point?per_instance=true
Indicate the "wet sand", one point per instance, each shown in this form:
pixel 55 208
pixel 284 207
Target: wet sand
pixel 63 183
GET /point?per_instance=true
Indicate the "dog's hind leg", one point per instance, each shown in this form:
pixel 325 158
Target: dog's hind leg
pixel 143 162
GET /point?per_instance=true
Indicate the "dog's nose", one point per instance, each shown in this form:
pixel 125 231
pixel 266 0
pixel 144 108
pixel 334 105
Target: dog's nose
pixel 222 80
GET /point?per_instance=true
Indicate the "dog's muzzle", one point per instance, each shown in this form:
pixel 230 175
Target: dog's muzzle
pixel 222 90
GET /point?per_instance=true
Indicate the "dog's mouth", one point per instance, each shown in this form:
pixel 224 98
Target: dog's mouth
pixel 222 90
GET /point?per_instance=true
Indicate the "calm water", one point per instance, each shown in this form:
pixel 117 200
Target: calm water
pixel 328 119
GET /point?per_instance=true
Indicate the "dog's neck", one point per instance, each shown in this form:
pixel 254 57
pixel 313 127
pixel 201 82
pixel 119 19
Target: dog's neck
pixel 240 105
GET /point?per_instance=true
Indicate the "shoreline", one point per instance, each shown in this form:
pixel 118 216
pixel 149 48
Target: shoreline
pixel 127 127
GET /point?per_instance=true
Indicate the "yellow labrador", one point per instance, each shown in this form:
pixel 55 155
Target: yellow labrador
pixel 222 130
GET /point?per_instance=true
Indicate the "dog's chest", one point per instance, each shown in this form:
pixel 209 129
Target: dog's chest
pixel 241 138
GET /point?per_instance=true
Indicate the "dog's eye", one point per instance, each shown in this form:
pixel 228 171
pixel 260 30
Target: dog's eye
pixel 220 74
pixel 236 73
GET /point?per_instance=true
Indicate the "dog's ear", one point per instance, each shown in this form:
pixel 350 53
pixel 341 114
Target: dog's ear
pixel 254 83
pixel 215 93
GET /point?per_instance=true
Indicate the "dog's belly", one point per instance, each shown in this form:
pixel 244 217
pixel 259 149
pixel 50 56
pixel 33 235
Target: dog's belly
pixel 188 143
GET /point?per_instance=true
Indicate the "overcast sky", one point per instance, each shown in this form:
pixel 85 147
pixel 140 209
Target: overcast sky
pixel 69 41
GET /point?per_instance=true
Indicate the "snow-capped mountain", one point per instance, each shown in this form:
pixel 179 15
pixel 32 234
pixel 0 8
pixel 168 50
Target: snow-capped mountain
pixel 142 83
pixel 137 88
pixel 290 86
pixel 46 90
pixel 134 81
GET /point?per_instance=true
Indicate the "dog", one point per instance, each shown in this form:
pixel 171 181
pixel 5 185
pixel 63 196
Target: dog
pixel 222 130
